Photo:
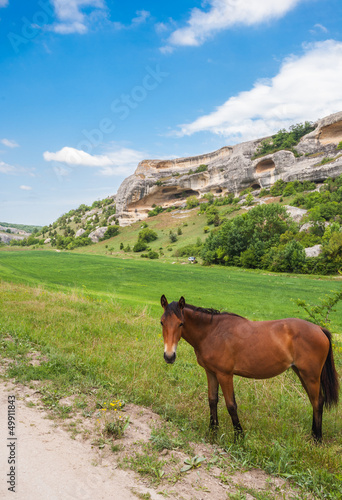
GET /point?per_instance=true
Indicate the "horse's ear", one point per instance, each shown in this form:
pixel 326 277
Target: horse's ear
pixel 181 302
pixel 163 301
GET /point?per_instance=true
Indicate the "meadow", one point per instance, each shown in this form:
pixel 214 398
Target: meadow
pixel 96 318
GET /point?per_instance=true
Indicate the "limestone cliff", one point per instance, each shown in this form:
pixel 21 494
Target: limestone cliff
pixel 230 169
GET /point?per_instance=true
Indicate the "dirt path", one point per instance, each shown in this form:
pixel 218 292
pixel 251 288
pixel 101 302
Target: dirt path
pixel 50 465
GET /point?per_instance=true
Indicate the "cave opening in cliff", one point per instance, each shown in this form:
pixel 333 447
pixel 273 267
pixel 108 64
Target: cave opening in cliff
pixel 265 166
pixel 331 134
pixel 255 186
pixel 186 193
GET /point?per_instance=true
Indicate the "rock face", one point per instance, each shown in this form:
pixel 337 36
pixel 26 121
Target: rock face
pixel 230 169
pixel 314 251
pixel 6 237
pixel 14 234
pixel 80 232
pixel 296 213
pixel 96 235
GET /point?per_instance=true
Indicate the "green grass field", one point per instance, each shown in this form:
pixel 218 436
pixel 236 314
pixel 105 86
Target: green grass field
pixel 97 320
pixel 254 294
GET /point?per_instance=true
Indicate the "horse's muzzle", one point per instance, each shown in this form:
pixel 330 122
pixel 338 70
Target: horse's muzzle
pixel 170 359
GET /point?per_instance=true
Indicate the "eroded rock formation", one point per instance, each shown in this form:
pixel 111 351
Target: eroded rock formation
pixel 230 169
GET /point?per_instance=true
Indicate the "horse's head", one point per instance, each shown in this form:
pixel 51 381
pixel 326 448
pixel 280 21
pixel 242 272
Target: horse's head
pixel 172 322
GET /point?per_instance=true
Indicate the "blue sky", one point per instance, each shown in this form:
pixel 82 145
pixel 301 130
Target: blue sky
pixel 88 88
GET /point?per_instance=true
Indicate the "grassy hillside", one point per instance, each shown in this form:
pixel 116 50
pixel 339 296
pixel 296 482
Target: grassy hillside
pixel 253 230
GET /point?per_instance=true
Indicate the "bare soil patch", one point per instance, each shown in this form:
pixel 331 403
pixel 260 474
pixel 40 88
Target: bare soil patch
pixel 73 458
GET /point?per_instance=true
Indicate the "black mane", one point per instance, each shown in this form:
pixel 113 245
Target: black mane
pixel 175 309
pixel 211 311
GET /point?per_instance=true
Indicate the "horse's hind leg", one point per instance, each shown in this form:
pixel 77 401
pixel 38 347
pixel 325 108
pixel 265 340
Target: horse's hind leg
pixel 226 383
pixel 312 386
pixel 213 399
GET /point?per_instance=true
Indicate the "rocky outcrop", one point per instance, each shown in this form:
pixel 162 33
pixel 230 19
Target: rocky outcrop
pixel 229 169
pixel 7 237
pixel 79 233
pixel 296 213
pixel 96 235
pixel 314 251
pixel 12 233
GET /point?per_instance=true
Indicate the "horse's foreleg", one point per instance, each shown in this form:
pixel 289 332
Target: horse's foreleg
pixel 226 383
pixel 213 399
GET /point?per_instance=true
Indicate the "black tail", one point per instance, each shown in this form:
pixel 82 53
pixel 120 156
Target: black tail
pixel 329 377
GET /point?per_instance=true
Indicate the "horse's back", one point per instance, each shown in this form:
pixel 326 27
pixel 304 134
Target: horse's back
pixel 264 349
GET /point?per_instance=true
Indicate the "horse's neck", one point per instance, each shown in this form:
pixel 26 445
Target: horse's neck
pixel 195 329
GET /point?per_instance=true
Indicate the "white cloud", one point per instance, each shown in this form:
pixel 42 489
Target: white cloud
pixel 307 87
pixel 224 14
pixel 321 27
pixel 9 143
pixel 141 18
pixel 120 162
pixel 71 17
pixel 25 188
pixel 7 169
pixel 318 29
pixel 72 156
pixel 3 3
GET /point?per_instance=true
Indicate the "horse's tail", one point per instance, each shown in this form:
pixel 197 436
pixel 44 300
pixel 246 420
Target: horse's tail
pixel 329 377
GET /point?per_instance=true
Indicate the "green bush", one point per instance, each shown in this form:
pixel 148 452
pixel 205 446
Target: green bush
pixel 332 250
pixel 173 237
pixel 249 199
pixel 328 159
pixel 339 145
pixel 277 188
pixel 147 235
pixel 264 192
pixel 246 191
pixel 156 210
pixel 261 228
pixel 192 202
pixel 140 246
pixel 111 231
pixel 201 168
pixel 209 197
pixel 290 258
pixel 284 139
pixel 188 251
pixel 153 255
pixel 213 217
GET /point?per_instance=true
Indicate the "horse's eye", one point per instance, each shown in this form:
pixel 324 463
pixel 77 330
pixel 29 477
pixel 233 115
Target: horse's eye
pixel 182 324
pixel 161 323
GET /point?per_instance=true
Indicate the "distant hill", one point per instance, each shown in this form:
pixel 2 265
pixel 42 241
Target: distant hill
pixel 21 227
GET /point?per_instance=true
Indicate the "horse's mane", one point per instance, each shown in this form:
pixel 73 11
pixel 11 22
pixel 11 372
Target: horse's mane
pixel 211 311
pixel 175 309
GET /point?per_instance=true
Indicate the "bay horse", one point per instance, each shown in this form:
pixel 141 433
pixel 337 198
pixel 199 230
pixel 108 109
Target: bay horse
pixel 227 344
